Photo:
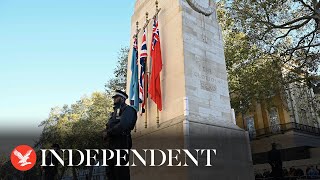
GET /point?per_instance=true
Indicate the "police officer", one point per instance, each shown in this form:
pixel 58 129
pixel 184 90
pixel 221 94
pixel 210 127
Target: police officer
pixel 119 127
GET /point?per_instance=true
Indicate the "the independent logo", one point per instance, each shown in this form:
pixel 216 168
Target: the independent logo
pixel 23 157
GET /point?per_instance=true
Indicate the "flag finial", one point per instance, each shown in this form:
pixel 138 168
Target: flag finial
pixel 157 9
pixel 137 25
pixel 157 4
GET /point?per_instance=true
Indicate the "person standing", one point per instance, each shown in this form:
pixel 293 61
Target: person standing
pixel 275 160
pixel 118 135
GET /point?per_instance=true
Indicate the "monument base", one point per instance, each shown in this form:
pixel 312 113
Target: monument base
pixel 232 160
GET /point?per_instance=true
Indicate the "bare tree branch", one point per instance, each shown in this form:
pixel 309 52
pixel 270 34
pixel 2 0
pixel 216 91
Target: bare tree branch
pixel 302 47
pixel 306 5
pixel 284 34
pixel 313 35
pixel 286 25
pixel 304 37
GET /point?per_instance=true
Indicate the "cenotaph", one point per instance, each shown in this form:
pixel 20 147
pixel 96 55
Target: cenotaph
pixel 196 104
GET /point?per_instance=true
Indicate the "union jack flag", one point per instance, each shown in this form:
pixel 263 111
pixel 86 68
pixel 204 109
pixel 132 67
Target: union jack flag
pixel 143 60
pixel 155 34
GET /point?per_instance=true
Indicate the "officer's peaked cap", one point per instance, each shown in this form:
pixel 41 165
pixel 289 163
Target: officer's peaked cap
pixel 120 93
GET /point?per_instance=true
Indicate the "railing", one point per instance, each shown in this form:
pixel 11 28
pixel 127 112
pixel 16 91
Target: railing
pixel 282 128
pixel 292 178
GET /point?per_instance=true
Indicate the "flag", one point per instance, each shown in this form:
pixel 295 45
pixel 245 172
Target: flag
pixel 155 87
pixel 143 60
pixel 134 83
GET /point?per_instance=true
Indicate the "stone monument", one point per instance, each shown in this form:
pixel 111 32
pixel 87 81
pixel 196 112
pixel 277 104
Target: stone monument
pixel 196 105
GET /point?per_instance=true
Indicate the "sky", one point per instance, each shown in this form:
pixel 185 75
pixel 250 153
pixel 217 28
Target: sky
pixel 53 52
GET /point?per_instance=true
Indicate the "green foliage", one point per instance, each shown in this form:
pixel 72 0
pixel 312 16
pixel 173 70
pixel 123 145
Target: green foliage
pixel 262 54
pixel 79 126
pixel 286 29
pixel 7 171
pixel 273 22
pixel 253 75
pixel 120 72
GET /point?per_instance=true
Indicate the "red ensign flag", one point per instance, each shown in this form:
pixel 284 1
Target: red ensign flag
pixel 156 60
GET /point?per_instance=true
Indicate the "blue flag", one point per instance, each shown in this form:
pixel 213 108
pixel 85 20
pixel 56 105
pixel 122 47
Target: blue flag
pixel 134 84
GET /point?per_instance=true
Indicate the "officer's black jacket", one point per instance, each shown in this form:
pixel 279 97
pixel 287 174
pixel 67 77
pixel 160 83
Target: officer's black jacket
pixel 123 124
pixel 120 125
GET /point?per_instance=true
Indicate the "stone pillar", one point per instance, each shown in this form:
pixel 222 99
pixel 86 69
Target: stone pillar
pixel 196 105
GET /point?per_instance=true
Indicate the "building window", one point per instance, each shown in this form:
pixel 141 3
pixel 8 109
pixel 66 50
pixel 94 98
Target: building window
pixel 274 120
pixel 250 126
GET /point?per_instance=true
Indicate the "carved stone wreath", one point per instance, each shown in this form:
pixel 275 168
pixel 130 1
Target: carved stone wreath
pixel 207 11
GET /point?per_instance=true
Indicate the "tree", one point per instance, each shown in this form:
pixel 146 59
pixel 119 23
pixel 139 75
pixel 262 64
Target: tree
pixel 78 126
pixel 120 72
pixel 7 171
pixel 273 23
pixel 288 30
pixel 253 75
pixel 258 64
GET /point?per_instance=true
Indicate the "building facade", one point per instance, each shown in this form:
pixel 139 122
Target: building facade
pixel 291 120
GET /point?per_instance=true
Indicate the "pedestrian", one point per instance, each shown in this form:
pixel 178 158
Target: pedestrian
pixel 275 160
pixel 312 173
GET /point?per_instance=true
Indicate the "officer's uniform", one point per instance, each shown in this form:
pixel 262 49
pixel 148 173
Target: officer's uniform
pixel 120 124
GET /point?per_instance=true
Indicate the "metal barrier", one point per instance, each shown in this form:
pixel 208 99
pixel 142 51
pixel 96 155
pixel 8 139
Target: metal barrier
pixel 282 128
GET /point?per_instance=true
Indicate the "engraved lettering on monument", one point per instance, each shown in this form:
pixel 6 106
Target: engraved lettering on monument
pixel 205 7
pixel 204 77
pixel 208 86
pixel 204 68
pixel 205 38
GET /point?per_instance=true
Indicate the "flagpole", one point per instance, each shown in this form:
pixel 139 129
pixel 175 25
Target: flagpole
pixel 137 31
pixel 136 36
pixel 147 21
pixel 154 17
pixel 158 120
pixel 145 77
pixel 146 103
pixel 157 10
